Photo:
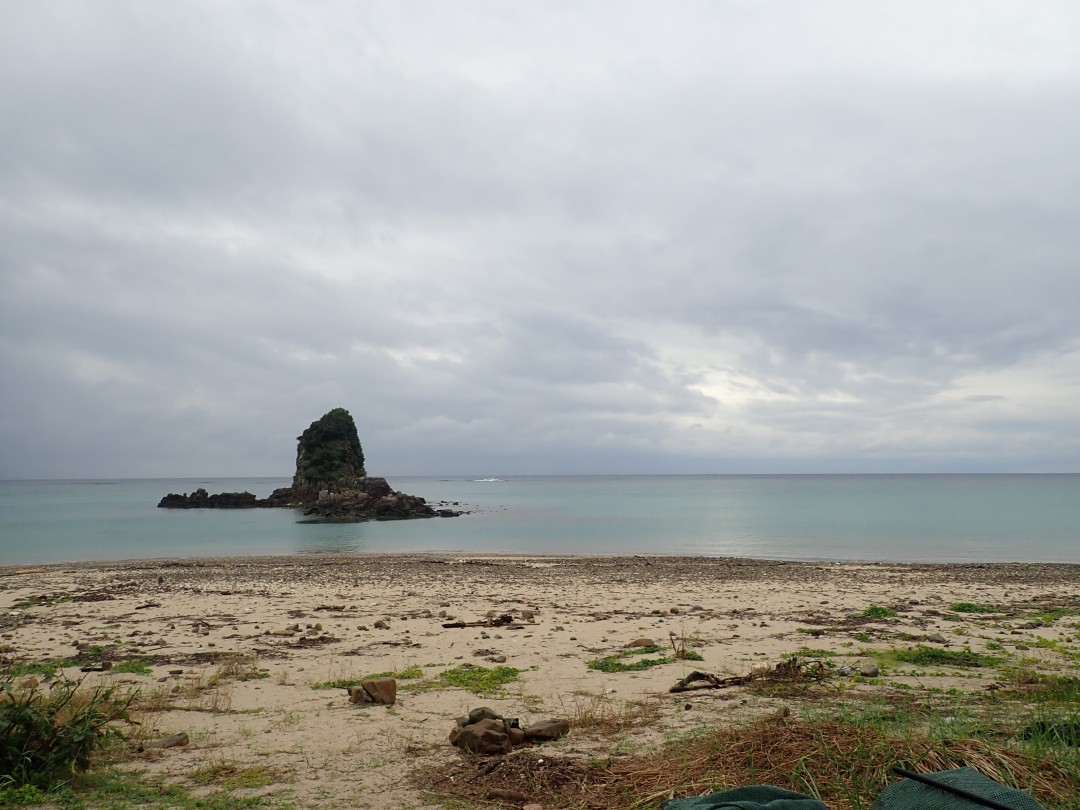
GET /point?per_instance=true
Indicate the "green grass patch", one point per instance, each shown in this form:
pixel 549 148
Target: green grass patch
pixel 233 776
pixel 1049 615
pixel 808 652
pixel 480 680
pixel 931 656
pixel 406 674
pixel 878 612
pixel 47 670
pixel 132 667
pixel 617 661
pixel 971 607
pixel 126 791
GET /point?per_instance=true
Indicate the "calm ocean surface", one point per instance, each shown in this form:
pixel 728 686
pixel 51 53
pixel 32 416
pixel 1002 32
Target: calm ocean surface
pixel 1023 518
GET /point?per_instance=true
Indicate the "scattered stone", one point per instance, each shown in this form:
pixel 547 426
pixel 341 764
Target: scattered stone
pixel 487 737
pixel 357 694
pixel 483 713
pixel 937 638
pixel 383 691
pixel 381 625
pixel 547 730
pixel 641 642
pixel 869 669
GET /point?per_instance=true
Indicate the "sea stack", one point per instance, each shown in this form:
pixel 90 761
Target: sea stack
pixel 330 482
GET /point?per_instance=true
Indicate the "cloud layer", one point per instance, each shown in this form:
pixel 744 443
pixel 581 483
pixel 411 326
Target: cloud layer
pixel 540 238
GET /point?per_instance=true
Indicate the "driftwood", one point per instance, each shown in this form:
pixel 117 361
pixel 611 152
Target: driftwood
pixel 505 620
pixel 791 669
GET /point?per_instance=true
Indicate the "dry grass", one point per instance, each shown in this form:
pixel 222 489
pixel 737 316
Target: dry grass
pixel 842 764
pixel 598 714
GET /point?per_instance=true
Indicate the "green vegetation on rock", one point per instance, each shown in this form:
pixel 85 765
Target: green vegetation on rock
pixel 329 454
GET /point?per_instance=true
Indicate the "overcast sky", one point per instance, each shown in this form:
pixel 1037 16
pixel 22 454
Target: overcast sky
pixel 540 237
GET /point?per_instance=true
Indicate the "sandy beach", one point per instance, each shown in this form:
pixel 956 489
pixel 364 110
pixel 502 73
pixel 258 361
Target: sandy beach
pixel 236 648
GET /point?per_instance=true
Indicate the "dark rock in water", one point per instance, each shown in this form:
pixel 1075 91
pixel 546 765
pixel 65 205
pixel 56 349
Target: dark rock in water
pixel 330 483
pixel 201 499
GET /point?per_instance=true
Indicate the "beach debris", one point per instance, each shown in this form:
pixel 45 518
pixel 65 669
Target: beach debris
pixel 640 642
pixel 505 620
pixel 515 796
pixel 790 669
pixel 869 669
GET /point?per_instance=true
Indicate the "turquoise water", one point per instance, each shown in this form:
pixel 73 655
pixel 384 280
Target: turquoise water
pixel 946 518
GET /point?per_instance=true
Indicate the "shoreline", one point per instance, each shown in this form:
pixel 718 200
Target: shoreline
pixel 290 623
pixel 702 564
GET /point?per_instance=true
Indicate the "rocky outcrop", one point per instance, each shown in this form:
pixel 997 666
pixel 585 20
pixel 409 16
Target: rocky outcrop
pixel 201 499
pixel 330 483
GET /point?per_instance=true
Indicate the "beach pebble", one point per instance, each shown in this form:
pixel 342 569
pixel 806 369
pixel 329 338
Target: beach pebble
pixel 869 669
pixel 381 625
pixel 937 638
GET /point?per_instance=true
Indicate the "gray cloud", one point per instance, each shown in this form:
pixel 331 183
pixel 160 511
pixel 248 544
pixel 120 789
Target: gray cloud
pixel 561 238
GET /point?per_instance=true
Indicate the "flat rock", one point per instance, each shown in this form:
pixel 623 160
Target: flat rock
pixel 382 690
pixel 547 730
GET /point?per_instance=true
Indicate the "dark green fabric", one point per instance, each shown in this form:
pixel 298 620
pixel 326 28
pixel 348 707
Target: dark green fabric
pixel 751 797
pixel 907 794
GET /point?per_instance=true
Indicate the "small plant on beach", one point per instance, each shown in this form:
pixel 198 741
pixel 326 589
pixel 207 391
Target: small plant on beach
pixel 971 607
pixel 46 736
pixel 480 680
pixel 46 670
pixel 132 667
pixel 617 663
pixel 682 648
pixel 931 656
pixel 878 612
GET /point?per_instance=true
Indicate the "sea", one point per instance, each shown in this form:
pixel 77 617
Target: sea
pixel 895 518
